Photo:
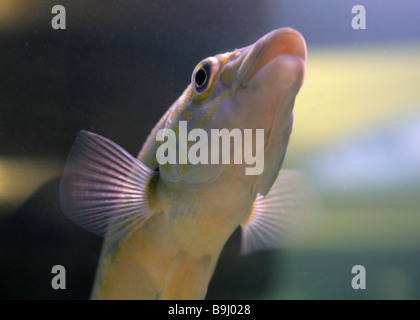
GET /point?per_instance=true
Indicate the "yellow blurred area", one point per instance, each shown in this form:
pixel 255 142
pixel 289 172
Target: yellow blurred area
pixel 20 178
pixel 12 12
pixel 351 88
pixel 16 15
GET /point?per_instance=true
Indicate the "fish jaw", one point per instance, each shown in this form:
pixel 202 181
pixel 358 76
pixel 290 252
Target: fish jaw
pixel 284 41
pixel 267 77
pixel 270 75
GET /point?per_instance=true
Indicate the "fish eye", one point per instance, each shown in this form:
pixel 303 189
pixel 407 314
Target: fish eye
pixel 202 76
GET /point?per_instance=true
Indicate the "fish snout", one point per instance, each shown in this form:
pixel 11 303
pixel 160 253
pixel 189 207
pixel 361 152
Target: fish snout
pixel 284 41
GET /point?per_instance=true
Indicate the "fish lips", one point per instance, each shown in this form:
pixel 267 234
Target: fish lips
pixel 267 51
pixel 269 76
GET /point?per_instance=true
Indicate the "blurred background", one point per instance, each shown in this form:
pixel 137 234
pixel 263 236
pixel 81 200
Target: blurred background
pixel 118 67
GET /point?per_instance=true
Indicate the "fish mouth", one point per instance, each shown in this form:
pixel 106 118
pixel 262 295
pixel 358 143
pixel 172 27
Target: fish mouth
pixel 280 42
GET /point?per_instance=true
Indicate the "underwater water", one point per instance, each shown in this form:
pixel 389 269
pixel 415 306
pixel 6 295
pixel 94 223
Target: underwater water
pixel 115 69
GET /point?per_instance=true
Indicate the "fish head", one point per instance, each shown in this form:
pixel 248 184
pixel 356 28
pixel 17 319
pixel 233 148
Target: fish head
pixel 250 88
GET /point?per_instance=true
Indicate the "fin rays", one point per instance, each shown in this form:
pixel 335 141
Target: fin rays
pixel 286 215
pixel 103 186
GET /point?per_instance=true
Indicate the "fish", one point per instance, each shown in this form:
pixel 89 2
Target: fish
pixel 165 223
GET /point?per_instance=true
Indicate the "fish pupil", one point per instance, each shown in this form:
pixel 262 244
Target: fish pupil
pixel 200 77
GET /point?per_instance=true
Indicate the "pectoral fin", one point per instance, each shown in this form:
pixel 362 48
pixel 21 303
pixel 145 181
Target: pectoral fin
pixel 103 187
pixel 287 215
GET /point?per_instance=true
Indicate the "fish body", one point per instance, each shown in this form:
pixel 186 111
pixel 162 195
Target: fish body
pixel 165 223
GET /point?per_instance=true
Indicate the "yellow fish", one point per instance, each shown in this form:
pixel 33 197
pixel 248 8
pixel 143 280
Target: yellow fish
pixel 165 223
